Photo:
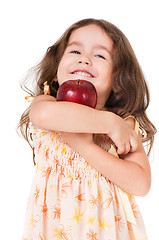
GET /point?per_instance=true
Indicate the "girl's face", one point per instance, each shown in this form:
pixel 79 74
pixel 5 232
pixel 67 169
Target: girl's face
pixel 88 57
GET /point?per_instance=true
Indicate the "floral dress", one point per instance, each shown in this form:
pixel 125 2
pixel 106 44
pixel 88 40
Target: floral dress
pixel 70 200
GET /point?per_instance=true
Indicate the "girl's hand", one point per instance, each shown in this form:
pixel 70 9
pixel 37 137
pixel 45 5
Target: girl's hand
pixel 123 135
pixel 77 140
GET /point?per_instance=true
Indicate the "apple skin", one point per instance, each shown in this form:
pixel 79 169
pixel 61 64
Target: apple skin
pixel 78 91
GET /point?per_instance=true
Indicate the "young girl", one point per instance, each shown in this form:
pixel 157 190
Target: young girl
pixel 89 162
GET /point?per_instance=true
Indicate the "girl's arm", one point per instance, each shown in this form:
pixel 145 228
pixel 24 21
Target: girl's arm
pixel 47 113
pixel 71 117
pixel 131 172
pixel 40 98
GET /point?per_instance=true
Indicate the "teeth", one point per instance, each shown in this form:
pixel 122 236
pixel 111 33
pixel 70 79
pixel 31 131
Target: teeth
pixel 83 74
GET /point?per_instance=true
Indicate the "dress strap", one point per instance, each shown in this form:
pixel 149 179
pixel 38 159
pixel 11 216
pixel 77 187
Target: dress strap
pixel 138 127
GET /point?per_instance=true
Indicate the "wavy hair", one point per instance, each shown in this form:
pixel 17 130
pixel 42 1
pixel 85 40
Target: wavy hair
pixel 130 94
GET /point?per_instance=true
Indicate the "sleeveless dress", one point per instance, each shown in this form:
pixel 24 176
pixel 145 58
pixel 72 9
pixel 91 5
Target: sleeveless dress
pixel 70 200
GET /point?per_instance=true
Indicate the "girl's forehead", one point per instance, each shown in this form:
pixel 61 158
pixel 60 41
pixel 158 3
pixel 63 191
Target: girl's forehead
pixel 91 34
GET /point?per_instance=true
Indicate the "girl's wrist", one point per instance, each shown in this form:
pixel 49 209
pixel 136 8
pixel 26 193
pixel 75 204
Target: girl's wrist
pixel 84 149
pixel 109 122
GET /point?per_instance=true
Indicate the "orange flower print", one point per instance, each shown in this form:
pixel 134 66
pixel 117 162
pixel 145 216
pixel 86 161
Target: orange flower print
pixel 62 233
pixel 62 171
pixel 43 133
pixel 78 176
pixel 80 197
pixel 90 220
pixel 56 164
pixel 36 194
pixel 57 147
pixel 91 235
pixel 57 212
pixel 44 209
pixel 130 228
pixel 52 139
pixel 71 159
pixel 63 152
pixel 33 220
pixel 40 236
pixel 110 184
pixel 104 224
pixel 53 136
pixel 40 144
pixel 63 189
pixel 94 201
pixel 47 172
pixel 47 153
pixel 135 211
pixel 108 201
pixel 100 194
pixel 77 215
pixel 119 222
pixel 134 206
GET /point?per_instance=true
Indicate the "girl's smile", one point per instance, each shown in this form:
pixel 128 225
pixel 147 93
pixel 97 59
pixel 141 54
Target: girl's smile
pixel 83 73
pixel 88 57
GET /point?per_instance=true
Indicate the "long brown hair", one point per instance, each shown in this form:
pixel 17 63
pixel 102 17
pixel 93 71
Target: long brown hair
pixel 130 95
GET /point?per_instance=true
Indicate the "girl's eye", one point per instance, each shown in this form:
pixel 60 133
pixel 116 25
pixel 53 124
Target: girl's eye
pixel 100 56
pixel 75 51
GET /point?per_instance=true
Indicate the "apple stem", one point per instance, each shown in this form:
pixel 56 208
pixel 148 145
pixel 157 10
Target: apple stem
pixel 78 81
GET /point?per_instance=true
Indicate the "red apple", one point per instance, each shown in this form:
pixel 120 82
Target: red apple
pixel 78 91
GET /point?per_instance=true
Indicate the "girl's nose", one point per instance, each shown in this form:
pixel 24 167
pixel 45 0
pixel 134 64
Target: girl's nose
pixel 85 60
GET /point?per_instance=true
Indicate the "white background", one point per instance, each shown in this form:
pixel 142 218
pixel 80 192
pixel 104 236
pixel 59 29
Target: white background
pixel 27 29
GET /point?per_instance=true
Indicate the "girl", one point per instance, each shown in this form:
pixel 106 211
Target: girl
pixel 89 162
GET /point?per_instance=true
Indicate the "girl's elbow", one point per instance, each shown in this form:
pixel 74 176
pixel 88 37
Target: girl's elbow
pixel 33 116
pixel 147 182
pixel 145 186
pixel 36 116
pixel 144 191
